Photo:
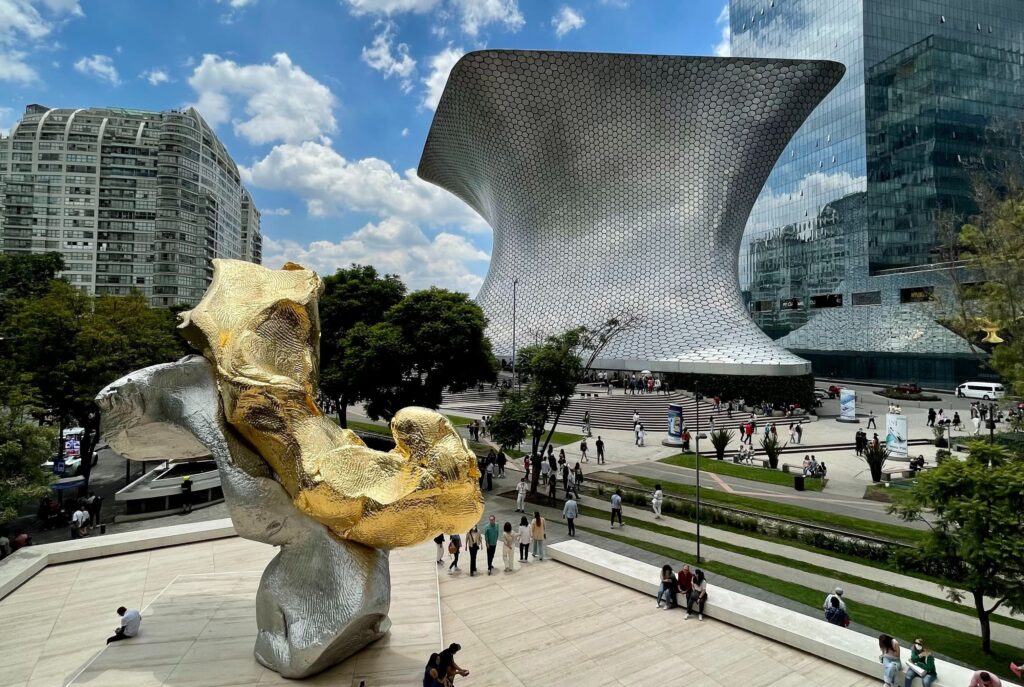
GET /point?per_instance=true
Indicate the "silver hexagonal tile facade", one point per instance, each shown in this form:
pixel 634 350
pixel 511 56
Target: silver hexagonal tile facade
pixel 621 184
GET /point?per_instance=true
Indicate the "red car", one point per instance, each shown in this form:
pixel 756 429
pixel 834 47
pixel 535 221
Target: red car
pixel 908 388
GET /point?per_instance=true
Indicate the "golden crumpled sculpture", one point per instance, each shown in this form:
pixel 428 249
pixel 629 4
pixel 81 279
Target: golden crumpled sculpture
pixel 261 331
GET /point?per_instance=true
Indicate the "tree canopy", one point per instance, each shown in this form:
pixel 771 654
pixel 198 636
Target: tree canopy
pixel 975 513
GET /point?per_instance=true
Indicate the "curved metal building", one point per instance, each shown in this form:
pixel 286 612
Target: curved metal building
pixel 621 184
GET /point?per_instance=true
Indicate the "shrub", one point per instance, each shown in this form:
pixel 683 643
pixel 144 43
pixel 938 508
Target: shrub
pixel 720 439
pixel 941 456
pixel 875 456
pixel 940 437
pixel 772 447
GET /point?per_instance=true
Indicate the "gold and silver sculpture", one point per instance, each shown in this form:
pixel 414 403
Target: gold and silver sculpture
pixel 291 476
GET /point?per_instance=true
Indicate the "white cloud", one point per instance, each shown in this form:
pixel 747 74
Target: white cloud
pixel 723 48
pixel 5 120
pixel 23 28
pixel 473 15
pixel 282 102
pixel 393 246
pixel 389 7
pixel 478 14
pixel 276 212
pixel 155 77
pixel 567 19
pixel 777 209
pixel 100 67
pixel 238 4
pixel 440 66
pixel 405 132
pixel 396 62
pixel 330 184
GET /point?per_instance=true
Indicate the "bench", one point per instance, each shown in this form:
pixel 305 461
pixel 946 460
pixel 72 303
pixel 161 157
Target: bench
pixel 755 460
pixel 902 473
pixel 793 468
pixel 807 634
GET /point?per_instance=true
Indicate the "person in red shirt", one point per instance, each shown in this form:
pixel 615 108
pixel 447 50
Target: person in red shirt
pixel 685 583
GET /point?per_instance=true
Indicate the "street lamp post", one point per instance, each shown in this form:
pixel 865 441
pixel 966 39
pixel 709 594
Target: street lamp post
pixel 696 396
pixel 515 379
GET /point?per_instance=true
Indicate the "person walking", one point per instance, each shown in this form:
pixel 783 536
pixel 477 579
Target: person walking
pixel 656 500
pixel 640 434
pixel 552 496
pixel 454 547
pixel 583 451
pixel 871 419
pixel 490 475
pixel 186 494
pixel 473 544
pixel 501 463
pixel 545 471
pixel 799 433
pixel 698 594
pixel 599 444
pixel 570 511
pixel 439 540
pixel 565 475
pixel 586 423
pixel 93 504
pixel 537 535
pixel 931 418
pixel 521 490
pixel 508 542
pixel 636 419
pixel 577 473
pixel 890 658
pixel 491 540
pixel 524 539
pixel 617 507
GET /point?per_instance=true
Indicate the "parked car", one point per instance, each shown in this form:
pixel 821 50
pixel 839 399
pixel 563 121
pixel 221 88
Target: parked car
pixel 987 391
pixel 821 394
pixel 908 388
pixel 72 465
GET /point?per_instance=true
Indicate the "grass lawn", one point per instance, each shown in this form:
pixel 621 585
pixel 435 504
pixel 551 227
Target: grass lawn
pixel 957 645
pixel 563 438
pixel 459 421
pixel 373 427
pixel 807 567
pixel 785 510
pixel 727 467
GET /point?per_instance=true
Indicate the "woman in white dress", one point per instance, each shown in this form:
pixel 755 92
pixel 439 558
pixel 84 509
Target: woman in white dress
pixel 656 500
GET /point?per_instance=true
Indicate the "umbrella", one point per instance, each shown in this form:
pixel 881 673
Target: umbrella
pixel 645 372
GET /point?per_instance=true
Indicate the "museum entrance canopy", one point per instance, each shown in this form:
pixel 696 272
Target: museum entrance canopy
pixel 621 184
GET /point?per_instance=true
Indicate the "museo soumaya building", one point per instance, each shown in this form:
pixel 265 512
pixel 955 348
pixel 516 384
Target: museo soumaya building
pixel 841 259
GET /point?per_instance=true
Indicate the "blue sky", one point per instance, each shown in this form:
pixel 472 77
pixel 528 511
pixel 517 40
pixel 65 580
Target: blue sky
pixel 323 104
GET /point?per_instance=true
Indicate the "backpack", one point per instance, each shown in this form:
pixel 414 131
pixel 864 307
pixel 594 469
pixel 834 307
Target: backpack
pixel 451 548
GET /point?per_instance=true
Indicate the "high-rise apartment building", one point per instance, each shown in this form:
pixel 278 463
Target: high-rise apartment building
pixel 841 252
pixel 131 199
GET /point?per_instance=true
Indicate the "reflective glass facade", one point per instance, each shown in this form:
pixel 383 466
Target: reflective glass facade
pixel 933 90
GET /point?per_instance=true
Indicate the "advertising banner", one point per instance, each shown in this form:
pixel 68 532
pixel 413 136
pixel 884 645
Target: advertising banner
pixel 675 422
pixel 848 404
pixel 896 435
pixel 72 447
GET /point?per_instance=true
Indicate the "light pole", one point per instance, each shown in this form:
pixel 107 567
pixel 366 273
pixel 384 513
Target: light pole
pixel 696 460
pixel 515 379
pixel 992 407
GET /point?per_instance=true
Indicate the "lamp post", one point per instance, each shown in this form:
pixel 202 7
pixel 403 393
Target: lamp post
pixel 696 396
pixel 515 379
pixel 992 408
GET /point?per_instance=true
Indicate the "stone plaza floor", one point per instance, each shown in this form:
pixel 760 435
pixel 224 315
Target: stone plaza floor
pixel 544 624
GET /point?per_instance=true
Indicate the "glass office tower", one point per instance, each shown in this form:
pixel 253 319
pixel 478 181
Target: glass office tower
pixel 846 226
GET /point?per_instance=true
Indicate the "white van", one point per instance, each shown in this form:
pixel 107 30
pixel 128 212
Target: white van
pixel 988 391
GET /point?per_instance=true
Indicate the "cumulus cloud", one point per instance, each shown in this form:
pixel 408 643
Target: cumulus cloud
pixel 238 4
pixel 393 246
pixel 472 15
pixel 567 19
pixel 723 48
pixel 389 59
pixel 276 212
pixel 779 208
pixel 155 77
pixel 100 67
pixel 330 184
pixel 282 102
pixel 22 28
pixel 440 66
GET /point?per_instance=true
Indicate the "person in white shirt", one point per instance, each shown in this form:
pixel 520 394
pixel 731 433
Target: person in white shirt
pixel 131 619
pixel 838 593
pixel 698 593
pixel 524 539
pixel 569 512
pixel 521 490
pixel 617 507
pixel 636 419
pixel 656 500
pixel 640 435
pixel 545 471
pixel 79 521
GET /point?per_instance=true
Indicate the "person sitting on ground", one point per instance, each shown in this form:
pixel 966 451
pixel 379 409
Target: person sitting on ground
pixel 449 666
pixel 667 588
pixel 698 594
pixel 836 614
pixel 890 658
pixel 983 678
pixel 131 619
pixel 921 664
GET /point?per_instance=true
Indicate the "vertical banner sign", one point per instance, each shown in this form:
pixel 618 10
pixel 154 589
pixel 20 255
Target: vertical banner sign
pixel 72 446
pixel 896 435
pixel 675 422
pixel 848 404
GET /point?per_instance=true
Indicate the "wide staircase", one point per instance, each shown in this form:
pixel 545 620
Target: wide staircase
pixel 611 412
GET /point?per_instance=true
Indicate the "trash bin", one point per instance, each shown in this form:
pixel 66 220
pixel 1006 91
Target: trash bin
pixel 798 482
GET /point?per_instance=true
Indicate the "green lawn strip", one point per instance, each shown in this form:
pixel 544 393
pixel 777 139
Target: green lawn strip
pixel 748 472
pixel 373 428
pixel 805 567
pixel 785 510
pixel 959 646
pixel 458 420
pixel 563 438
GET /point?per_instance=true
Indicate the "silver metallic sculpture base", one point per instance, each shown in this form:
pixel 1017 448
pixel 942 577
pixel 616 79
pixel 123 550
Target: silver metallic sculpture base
pixel 321 599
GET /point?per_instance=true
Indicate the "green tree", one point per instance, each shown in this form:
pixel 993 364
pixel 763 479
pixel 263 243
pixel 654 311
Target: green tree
pixel 353 297
pixel 508 426
pixel 26 276
pixel 975 515
pixel 70 345
pixel 430 341
pixel 24 447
